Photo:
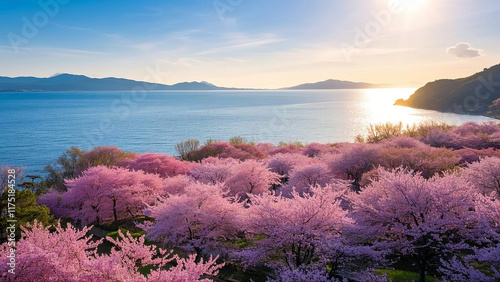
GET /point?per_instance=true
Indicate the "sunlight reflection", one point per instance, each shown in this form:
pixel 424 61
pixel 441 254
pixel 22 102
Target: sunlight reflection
pixel 379 105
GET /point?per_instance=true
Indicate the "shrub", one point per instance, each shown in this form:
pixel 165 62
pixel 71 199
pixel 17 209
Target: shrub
pixel 185 148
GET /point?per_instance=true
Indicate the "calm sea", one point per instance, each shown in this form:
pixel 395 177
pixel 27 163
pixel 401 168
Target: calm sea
pixel 35 128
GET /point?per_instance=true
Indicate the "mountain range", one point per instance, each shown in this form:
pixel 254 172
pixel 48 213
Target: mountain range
pixel 71 82
pixel 470 95
pixel 336 84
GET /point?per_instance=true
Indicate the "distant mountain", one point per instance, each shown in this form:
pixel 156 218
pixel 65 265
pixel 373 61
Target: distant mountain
pixel 71 82
pixel 335 84
pixel 470 95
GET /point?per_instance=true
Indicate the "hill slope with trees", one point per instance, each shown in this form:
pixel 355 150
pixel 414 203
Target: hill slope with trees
pixel 477 94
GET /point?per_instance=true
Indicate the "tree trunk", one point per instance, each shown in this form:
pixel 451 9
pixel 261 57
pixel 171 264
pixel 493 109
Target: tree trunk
pixel 422 267
pixel 114 212
pixel 199 256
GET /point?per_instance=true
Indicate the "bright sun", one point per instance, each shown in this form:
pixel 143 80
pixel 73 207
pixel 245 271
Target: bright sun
pixel 410 6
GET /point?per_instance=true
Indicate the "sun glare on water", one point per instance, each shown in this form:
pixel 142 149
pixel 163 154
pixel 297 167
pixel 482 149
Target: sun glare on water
pixel 379 104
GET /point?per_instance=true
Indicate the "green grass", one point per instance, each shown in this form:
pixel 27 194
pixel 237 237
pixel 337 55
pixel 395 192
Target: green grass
pixel 114 234
pixel 402 275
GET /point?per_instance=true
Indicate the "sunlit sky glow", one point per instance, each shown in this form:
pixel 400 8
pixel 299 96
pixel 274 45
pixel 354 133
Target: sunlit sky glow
pixel 255 43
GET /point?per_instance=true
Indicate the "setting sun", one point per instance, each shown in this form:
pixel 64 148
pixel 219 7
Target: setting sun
pixel 414 5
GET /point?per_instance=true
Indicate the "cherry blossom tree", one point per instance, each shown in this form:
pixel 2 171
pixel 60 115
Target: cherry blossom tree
pixel 404 142
pixel 474 128
pixel 305 176
pixel 320 274
pixel 479 141
pixel 175 184
pixel 469 155
pixel 251 149
pixel 302 274
pixel 213 170
pixel 354 160
pixel 426 160
pixel 425 220
pixel 295 229
pixel 240 151
pixel 68 254
pixel 52 200
pixel 491 256
pixel 489 210
pixel 438 137
pixel 486 254
pixel 484 175
pixel 163 165
pixel 287 149
pixel 468 135
pixel 457 269
pixel 265 148
pixel 251 177
pixel 202 217
pixel 316 149
pixel 103 193
pixel 130 254
pixel 45 256
pixel 283 164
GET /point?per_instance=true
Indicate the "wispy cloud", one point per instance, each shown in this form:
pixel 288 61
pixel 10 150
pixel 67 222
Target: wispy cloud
pixel 56 51
pixel 76 52
pixel 234 45
pixel 183 62
pixel 236 60
pixel 171 40
pixel 148 46
pixel 88 30
pixel 189 34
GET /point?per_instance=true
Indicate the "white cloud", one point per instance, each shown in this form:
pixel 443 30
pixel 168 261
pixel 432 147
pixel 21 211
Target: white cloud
pixel 464 50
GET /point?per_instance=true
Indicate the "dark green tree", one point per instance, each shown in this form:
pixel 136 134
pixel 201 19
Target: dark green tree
pixel 33 185
pixel 26 210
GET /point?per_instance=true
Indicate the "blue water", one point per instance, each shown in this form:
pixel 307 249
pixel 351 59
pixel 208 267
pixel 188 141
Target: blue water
pixel 35 128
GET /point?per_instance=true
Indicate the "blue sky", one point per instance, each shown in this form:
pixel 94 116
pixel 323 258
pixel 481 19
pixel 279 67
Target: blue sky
pixel 251 43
